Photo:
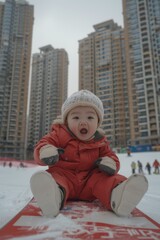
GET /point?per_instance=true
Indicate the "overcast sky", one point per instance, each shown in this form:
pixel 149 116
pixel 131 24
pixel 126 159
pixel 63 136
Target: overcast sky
pixel 62 23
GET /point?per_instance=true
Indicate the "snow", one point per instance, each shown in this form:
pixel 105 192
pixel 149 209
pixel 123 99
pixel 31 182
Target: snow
pixel 54 226
pixel 15 190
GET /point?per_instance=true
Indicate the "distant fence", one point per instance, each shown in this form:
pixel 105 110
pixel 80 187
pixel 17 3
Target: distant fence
pixel 29 163
pixel 138 148
pixel 141 148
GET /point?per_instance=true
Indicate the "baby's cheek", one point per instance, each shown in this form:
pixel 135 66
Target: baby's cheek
pixel 74 129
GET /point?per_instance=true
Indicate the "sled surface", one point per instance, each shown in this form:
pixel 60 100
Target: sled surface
pixel 79 220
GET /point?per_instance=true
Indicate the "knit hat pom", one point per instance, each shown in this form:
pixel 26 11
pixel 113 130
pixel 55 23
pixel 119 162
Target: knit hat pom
pixel 83 98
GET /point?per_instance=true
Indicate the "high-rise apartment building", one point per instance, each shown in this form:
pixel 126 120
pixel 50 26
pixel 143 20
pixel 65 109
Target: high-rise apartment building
pixel 102 70
pixel 123 68
pixel 16 23
pixel 49 87
pixel 142 41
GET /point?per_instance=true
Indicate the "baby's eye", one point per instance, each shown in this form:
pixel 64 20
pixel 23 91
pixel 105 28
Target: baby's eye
pixel 75 117
pixel 90 117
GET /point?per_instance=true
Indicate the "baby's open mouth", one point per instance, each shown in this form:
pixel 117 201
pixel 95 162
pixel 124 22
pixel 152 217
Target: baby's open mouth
pixel 83 131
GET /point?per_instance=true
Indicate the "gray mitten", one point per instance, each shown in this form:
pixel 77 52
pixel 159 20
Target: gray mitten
pixel 107 165
pixel 49 154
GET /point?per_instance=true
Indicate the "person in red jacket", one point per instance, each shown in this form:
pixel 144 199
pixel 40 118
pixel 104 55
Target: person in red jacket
pixel 81 164
pixel 156 165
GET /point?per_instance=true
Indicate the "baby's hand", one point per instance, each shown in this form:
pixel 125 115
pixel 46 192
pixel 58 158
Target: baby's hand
pixel 49 154
pixel 107 165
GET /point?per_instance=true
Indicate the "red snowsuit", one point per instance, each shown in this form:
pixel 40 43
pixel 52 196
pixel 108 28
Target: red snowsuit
pixel 156 166
pixel 76 171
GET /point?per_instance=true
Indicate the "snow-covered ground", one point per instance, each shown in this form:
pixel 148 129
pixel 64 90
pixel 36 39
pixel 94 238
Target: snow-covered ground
pixel 15 191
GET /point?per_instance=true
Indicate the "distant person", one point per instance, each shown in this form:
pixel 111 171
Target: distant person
pixel 10 164
pixel 128 152
pixel 140 167
pixel 81 164
pixel 133 167
pixel 156 166
pixel 21 165
pixel 4 164
pixel 148 167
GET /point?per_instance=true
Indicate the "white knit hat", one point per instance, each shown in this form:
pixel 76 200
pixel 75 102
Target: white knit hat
pixel 83 98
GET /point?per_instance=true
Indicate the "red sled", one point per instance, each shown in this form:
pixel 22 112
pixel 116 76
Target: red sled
pixel 80 220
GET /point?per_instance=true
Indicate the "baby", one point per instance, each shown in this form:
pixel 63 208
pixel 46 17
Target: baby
pixel 81 165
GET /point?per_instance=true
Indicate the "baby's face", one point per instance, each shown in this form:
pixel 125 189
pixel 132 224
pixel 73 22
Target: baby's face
pixel 83 122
